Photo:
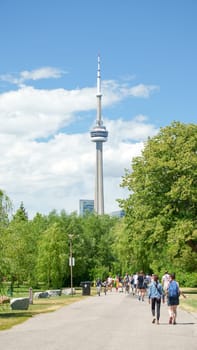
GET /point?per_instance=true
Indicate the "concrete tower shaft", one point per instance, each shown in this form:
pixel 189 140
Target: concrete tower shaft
pixel 99 135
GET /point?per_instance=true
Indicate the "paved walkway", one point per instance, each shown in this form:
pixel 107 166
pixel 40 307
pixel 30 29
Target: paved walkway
pixel 112 322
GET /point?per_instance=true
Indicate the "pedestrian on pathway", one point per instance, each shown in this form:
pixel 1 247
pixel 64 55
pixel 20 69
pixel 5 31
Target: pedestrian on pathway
pixel 173 294
pixel 165 280
pixel 135 279
pixel 127 282
pixel 141 286
pixel 155 295
pixel 98 286
pixel 117 282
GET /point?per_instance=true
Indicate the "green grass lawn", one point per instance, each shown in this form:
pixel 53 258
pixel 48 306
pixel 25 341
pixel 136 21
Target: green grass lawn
pixel 9 317
pixel 190 302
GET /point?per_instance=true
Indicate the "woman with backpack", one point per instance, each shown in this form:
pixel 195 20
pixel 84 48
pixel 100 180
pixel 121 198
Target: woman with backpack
pixel 155 294
pixel 173 293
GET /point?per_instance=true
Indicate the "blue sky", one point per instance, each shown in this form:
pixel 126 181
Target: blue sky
pixel 49 51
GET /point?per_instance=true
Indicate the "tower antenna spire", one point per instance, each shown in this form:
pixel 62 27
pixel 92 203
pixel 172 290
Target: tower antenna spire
pixel 99 135
pixel 99 77
pixel 99 95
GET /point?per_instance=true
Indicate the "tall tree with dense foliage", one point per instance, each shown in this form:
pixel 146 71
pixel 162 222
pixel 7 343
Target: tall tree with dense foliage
pixel 161 211
pixel 5 211
pixel 19 248
pixel 5 208
pixel 94 254
pixel 52 257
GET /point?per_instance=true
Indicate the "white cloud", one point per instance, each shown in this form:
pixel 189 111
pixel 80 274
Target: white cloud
pixel 114 91
pixel 37 74
pixel 41 73
pixel 60 171
pixel 134 130
pixel 142 90
pixel 33 113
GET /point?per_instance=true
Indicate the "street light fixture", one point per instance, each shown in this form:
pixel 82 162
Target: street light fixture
pixel 71 262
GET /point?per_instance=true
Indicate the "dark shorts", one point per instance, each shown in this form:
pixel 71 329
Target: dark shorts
pixel 141 286
pixel 173 301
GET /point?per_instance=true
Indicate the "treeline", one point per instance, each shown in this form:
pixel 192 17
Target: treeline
pixel 158 233
pixel 38 250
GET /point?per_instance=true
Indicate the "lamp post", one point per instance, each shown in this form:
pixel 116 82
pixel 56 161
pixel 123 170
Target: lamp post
pixel 71 263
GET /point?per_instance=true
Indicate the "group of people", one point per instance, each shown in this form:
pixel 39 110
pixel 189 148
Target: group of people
pixel 120 284
pixel 106 284
pixel 157 292
pixel 168 288
pixel 149 285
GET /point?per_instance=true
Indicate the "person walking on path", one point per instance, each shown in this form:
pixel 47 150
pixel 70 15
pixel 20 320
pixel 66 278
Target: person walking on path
pixel 98 286
pixel 126 282
pixel 165 280
pixel 155 294
pixel 141 286
pixel 173 293
pixel 117 282
pixel 135 280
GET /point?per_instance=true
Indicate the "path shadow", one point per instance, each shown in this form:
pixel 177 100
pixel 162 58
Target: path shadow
pixel 12 314
pixel 177 324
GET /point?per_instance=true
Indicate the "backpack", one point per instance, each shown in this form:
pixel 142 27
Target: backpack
pixel 173 289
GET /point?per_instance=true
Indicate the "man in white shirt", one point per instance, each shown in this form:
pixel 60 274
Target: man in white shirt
pixel 165 281
pixel 135 278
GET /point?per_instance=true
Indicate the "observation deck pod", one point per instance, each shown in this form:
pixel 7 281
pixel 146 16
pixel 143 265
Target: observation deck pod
pixel 99 133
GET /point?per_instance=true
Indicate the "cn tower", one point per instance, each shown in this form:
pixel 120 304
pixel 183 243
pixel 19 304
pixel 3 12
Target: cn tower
pixel 99 135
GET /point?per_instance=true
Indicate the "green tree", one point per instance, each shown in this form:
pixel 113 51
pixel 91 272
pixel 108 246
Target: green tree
pixel 97 244
pixel 5 208
pixel 21 214
pixel 161 209
pixel 52 260
pixel 20 244
pixel 5 212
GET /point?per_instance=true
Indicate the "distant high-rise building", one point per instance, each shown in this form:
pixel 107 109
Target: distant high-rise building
pixel 118 213
pixel 99 135
pixel 86 205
